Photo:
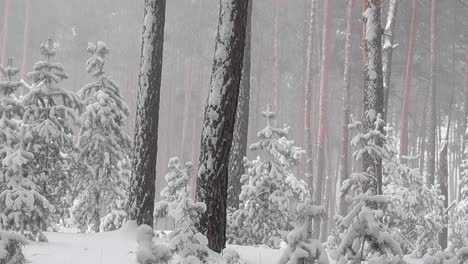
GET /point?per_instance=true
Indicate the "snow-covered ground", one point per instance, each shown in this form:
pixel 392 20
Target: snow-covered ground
pixel 117 247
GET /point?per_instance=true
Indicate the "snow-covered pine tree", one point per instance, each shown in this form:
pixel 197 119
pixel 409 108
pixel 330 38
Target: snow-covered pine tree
pixel 103 143
pixel 460 237
pixel 22 207
pixel 302 249
pixel 11 245
pixel 362 237
pixel 189 245
pixel 413 205
pixel 11 112
pixel 270 190
pixel 52 115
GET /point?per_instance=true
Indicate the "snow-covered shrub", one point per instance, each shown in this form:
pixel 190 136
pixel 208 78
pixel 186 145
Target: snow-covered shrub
pixel 231 256
pixel 22 207
pixel 185 241
pixel 414 212
pixel 103 144
pixel 301 248
pixel 362 236
pixel 270 191
pixel 11 245
pixel 52 114
pixel 151 250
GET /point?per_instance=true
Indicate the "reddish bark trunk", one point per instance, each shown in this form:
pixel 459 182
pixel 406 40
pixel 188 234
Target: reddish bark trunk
pixel 431 162
pixel 6 11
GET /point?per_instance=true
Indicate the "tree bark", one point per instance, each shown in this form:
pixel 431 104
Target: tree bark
pixel 431 164
pixel 275 59
pixel 241 126
pixel 323 119
pixel 373 91
pixel 219 119
pixel 465 116
pixel 387 51
pixel 344 158
pixel 142 183
pixel 407 85
pixel 27 15
pixel 308 96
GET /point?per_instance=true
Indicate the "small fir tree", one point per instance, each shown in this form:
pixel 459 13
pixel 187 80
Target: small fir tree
pixel 362 238
pixel 103 144
pixel 189 245
pixel 22 207
pixel 52 115
pixel 270 190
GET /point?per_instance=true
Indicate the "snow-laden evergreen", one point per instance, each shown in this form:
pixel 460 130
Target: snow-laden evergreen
pixel 270 191
pixel 151 249
pixel 301 248
pixel 185 241
pixel 11 113
pixel 11 248
pixel 104 147
pixel 22 207
pixel 362 237
pixel 414 212
pixel 52 115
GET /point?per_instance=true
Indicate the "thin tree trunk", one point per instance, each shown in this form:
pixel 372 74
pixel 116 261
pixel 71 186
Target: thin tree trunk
pixel 431 163
pixel 344 169
pixel 308 96
pixel 218 125
pixel 241 126
pixel 142 183
pixel 407 85
pixel 320 176
pixel 387 51
pixel 275 59
pixel 6 11
pixel 373 91
pixel 422 137
pixel 187 106
pixel 27 15
pixel 443 177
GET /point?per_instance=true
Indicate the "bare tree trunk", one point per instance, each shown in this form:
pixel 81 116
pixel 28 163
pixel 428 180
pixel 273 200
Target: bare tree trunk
pixel 308 96
pixel 387 51
pixel 407 86
pixel 187 106
pixel 422 136
pixel 218 125
pixel 465 116
pixel 373 91
pixel 443 177
pixel 344 172
pixel 241 126
pixel 142 183
pixel 431 164
pixel 27 15
pixel 320 176
pixel 6 11
pixel 275 59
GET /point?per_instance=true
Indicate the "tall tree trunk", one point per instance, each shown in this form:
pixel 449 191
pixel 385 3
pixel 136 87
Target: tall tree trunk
pixel 465 116
pixel 422 136
pixel 407 86
pixel 373 90
pixel 275 59
pixel 241 126
pixel 27 15
pixel 344 158
pixel 219 119
pixel 97 217
pixel 431 164
pixel 308 96
pixel 142 183
pixel 187 106
pixel 387 51
pixel 6 11
pixel 443 176
pixel 323 119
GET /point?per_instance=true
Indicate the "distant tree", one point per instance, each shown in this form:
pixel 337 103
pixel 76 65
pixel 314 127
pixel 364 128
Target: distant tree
pixel 431 165
pixel 145 148
pixel 373 90
pixel 241 126
pixel 323 117
pixel 52 115
pixel 219 119
pixel 407 84
pixel 103 144
pixel 344 159
pixel 3 46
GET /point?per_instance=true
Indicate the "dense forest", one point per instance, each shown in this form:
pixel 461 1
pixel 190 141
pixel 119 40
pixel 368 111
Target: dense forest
pixel 324 131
